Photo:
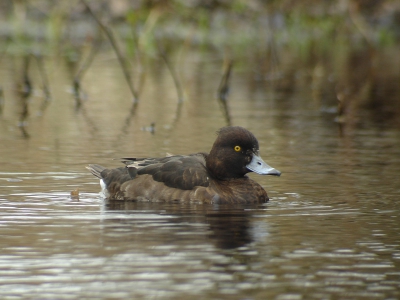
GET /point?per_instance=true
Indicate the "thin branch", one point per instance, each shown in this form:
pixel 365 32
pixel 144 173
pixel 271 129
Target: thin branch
pixel 113 42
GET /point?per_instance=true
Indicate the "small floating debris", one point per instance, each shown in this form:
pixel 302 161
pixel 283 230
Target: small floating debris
pixel 150 128
pixel 75 194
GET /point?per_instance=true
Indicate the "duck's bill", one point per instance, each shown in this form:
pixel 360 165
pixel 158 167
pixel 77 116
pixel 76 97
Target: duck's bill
pixel 257 165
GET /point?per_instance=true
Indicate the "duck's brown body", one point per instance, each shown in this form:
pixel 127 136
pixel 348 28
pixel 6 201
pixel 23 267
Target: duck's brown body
pixel 218 177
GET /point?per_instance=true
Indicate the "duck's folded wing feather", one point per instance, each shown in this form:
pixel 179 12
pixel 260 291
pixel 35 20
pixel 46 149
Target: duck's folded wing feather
pixel 182 172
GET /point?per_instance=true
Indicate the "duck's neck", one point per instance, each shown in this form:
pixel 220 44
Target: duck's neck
pixel 220 169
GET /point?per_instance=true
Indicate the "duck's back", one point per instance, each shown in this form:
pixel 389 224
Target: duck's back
pixel 154 179
pixel 174 179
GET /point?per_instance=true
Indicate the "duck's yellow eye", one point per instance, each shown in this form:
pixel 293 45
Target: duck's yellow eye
pixel 237 148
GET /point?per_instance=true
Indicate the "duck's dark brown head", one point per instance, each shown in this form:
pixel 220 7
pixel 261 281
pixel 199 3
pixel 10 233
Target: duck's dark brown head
pixel 235 153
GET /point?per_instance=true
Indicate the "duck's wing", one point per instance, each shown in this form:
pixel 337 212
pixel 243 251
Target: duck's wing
pixel 178 171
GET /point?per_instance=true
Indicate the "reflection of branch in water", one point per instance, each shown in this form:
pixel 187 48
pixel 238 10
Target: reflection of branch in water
pixel 1 100
pixel 91 125
pixel 354 88
pixel 76 88
pixel 174 75
pixel 5 43
pixel 24 132
pixel 24 92
pixel 121 60
pixel 177 114
pixel 129 117
pixel 177 83
pixel 45 82
pixel 1 89
pixel 138 54
pixel 223 91
pixel 341 117
pixel 83 68
pixel 25 86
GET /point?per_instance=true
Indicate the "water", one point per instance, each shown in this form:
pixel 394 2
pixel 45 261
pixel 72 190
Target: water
pixel 330 231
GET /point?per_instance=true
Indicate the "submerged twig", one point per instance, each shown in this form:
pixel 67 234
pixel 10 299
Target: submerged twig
pixel 121 59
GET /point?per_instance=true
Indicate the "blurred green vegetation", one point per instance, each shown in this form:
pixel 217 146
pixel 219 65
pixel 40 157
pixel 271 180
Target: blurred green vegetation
pixel 345 50
pixel 43 25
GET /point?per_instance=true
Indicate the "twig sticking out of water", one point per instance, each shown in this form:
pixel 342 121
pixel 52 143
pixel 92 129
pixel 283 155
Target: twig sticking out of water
pixel 121 59
pixel 223 90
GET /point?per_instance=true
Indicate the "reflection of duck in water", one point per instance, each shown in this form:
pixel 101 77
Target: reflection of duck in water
pixel 226 227
pixel 217 177
pixel 229 229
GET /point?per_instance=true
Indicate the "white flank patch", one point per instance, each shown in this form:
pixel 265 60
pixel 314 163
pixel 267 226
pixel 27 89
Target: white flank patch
pixel 104 192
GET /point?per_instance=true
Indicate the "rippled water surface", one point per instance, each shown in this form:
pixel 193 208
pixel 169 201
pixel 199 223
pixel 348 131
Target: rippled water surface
pixel 330 231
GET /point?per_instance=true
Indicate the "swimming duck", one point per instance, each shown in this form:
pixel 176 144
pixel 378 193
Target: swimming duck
pixel 217 177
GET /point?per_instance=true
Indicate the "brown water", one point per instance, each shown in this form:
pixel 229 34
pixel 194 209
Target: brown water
pixel 330 231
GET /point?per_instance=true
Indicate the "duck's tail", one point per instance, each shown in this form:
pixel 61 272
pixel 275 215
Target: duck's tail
pixel 96 170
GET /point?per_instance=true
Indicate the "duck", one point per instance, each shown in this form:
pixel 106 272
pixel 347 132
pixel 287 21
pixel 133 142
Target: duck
pixel 217 177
